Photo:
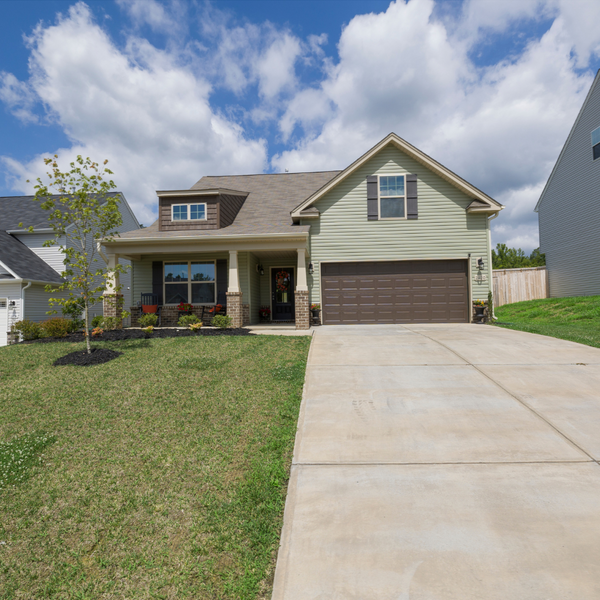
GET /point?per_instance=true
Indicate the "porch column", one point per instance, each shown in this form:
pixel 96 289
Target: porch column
pixel 234 293
pixel 112 298
pixel 301 294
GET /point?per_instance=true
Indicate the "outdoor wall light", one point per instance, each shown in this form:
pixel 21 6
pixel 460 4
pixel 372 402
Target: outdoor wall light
pixel 12 304
pixel 259 269
pixel 311 268
pixel 480 264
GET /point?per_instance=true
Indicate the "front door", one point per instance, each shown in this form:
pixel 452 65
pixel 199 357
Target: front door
pixel 282 294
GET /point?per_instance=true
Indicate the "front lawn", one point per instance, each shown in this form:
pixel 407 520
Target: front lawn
pixel 160 474
pixel 576 319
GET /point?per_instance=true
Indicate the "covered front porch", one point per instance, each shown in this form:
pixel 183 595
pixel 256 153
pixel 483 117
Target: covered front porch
pixel 252 281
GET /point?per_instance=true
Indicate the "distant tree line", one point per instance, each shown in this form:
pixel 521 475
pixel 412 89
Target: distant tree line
pixel 511 258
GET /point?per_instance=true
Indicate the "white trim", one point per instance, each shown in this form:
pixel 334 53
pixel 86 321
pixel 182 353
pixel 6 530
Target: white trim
pixel 189 212
pixel 189 281
pixel 213 238
pixel 204 192
pixel 10 271
pixel 379 217
pixel 415 153
pixel 585 102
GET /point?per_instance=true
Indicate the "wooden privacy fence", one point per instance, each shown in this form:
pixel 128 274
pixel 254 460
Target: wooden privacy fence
pixel 516 285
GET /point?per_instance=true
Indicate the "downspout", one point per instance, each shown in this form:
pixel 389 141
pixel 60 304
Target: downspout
pixel 23 300
pixel 490 260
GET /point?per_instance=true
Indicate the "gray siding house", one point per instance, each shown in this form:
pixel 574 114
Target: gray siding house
pixel 27 266
pixel 569 207
pixel 394 238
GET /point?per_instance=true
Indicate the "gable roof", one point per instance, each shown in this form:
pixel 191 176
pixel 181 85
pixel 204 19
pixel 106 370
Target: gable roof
pixel 266 210
pixel 23 263
pixel 22 209
pixel 583 107
pixel 416 154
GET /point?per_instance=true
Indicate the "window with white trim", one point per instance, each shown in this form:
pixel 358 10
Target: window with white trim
pixel 392 197
pixel 191 281
pixel 188 212
pixel 596 143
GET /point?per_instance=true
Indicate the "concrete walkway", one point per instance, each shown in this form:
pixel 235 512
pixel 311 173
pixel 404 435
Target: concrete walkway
pixel 438 462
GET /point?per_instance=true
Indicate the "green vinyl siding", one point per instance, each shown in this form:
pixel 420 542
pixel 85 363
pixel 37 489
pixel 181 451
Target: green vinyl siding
pixel 254 287
pixel 443 228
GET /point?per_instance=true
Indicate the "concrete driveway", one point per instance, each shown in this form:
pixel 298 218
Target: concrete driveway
pixel 438 462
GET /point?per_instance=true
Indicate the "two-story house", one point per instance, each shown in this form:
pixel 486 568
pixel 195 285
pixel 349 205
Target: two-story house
pixel 27 266
pixel 395 237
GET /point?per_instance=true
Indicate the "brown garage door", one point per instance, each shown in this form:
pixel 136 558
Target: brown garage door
pixel 416 291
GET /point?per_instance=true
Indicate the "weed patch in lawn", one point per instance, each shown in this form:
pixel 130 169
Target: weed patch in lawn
pixel 576 319
pixel 19 457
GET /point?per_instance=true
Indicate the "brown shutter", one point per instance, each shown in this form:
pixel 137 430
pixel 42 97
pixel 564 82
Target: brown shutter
pixel 222 273
pixel 157 280
pixel 372 200
pixel 412 205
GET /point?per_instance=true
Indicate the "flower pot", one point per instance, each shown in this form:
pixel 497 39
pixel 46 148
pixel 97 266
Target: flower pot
pixel 479 311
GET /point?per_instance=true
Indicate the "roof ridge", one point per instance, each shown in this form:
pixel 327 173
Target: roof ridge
pixel 270 174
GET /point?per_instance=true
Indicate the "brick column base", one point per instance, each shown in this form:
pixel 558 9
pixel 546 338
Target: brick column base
pixel 113 307
pixel 235 309
pixel 302 310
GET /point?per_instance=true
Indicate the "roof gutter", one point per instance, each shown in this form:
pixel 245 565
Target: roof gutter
pixel 208 239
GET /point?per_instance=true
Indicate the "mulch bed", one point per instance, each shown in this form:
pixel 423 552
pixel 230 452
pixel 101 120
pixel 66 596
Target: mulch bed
pixel 81 358
pixel 138 334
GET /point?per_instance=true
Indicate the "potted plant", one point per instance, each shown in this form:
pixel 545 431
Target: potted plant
pixel 479 308
pixel 264 312
pixel 315 309
pixel 185 308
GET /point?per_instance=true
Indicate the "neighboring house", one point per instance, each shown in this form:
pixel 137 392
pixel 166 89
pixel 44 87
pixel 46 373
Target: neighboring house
pixel 27 266
pixel 393 238
pixel 569 207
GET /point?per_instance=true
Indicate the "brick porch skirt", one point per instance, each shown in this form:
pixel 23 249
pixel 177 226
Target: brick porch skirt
pixel 169 315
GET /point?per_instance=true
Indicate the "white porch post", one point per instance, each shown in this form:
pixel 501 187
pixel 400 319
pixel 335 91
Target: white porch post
pixel 235 308
pixel 112 281
pixel 301 281
pixel 234 275
pixel 301 294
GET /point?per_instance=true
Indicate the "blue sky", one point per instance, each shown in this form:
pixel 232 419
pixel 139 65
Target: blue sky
pixel 171 91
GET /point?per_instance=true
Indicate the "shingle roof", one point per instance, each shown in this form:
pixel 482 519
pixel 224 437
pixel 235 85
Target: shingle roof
pixel 22 261
pixel 21 209
pixel 266 210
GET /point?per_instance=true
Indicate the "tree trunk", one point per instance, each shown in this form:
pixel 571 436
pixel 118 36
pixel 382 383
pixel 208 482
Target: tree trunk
pixel 87 328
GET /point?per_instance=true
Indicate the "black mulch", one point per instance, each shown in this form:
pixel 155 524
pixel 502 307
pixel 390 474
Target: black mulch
pixel 83 359
pixel 138 334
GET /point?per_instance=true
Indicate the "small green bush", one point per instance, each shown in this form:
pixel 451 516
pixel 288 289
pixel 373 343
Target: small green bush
pixel 29 330
pixel 73 309
pixel 57 327
pixel 111 323
pixel 187 320
pixel 148 320
pixel 97 321
pixel 221 321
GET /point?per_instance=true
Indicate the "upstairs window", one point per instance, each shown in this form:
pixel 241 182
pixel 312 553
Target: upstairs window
pixel 188 212
pixel 392 197
pixel 596 143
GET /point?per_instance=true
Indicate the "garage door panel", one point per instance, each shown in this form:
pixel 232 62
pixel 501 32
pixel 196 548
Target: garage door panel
pixel 395 292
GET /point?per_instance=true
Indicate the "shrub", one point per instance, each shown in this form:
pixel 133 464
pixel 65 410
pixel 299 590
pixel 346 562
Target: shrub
pixel 148 330
pixel 221 321
pixel 148 320
pixel 57 327
pixel 97 331
pixel 111 323
pixel 186 320
pixel 196 326
pixel 29 330
pixel 73 309
pixel 97 321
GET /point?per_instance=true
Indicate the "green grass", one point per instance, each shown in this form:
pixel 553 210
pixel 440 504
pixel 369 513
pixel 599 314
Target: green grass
pixel 576 319
pixel 163 473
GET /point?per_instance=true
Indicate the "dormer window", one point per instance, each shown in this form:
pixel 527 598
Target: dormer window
pixel 188 212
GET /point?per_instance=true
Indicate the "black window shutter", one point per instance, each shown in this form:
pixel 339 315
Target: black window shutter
pixel 412 204
pixel 222 273
pixel 372 201
pixel 157 279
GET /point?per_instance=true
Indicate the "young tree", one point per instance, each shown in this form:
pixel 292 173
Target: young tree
pixel 81 213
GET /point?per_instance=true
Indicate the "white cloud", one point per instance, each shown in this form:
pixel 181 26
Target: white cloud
pixel 500 127
pixel 18 97
pixel 138 107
